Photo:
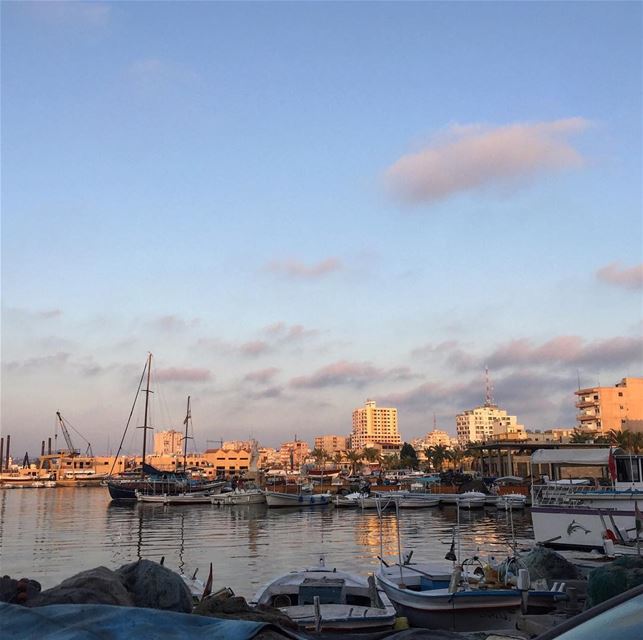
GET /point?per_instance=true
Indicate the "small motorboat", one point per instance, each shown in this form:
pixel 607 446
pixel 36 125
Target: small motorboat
pixel 471 500
pixel 179 498
pixel 417 501
pixel 278 499
pixel 240 496
pixel 323 598
pixel 512 501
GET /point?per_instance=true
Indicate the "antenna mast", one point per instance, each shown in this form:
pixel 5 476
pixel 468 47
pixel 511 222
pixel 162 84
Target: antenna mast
pixel 488 399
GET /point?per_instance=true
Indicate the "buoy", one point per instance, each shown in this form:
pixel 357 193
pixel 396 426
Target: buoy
pixel 401 623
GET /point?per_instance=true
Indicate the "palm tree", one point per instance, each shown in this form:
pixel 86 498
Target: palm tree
pixel 319 456
pixel 371 454
pixel 630 441
pixel 354 457
pixel 337 458
pixel 440 455
pixel 428 453
pixel 391 462
pixel 580 437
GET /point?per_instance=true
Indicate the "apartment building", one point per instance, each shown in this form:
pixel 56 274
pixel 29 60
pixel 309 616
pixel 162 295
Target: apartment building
pixel 487 422
pixel 433 438
pixel 293 454
pixel 331 444
pixel 604 408
pixel 168 443
pixel 374 425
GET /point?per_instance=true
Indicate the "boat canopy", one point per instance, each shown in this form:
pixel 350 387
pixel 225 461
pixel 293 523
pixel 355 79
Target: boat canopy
pixel 573 456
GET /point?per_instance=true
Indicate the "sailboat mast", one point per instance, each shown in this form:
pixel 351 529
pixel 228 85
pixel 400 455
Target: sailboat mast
pixel 147 402
pixel 188 416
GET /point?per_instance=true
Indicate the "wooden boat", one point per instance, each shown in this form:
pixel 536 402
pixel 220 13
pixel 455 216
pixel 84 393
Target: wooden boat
pixel 239 497
pixel 278 499
pixel 195 497
pixel 346 602
pixel 421 597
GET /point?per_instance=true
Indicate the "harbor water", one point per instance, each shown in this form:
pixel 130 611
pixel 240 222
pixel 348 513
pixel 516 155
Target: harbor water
pixel 51 534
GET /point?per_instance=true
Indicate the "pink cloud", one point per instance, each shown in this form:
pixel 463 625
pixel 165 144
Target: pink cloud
pixel 262 376
pixel 569 350
pixel 289 333
pixel 473 157
pixel 627 277
pixel 355 374
pixel 254 347
pixel 297 269
pixel 176 374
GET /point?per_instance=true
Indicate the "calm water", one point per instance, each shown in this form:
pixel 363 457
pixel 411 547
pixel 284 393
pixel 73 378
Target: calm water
pixel 50 534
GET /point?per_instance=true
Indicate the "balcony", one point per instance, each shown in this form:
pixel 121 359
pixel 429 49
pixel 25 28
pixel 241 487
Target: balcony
pixel 582 404
pixel 586 417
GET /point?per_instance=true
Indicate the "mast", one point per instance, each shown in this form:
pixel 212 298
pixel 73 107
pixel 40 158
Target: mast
pixel 147 402
pixel 188 417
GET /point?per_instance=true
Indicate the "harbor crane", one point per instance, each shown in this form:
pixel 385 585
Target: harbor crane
pixel 71 450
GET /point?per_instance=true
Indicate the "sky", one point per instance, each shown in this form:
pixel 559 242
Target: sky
pixel 298 206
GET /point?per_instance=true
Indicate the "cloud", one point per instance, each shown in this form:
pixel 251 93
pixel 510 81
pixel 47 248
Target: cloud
pixel 284 333
pixel 39 363
pixel 473 157
pixel 450 352
pixel 176 374
pixel 627 277
pixel 172 323
pixel 355 374
pixel 263 376
pixel 297 269
pixel 85 14
pixel 254 348
pixel 569 351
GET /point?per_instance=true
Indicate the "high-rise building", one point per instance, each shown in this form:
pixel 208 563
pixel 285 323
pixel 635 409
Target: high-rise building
pixel 168 443
pixel 374 425
pixel 486 423
pixel 605 408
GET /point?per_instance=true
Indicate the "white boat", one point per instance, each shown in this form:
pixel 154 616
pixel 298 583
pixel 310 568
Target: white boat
pixel 566 513
pixel 278 499
pixel 417 501
pixel 511 501
pixel 179 498
pixel 240 496
pixel 346 602
pixel 471 500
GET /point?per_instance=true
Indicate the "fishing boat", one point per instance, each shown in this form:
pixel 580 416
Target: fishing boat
pixel 279 499
pixel 327 599
pixel 240 497
pixel 413 501
pixel 574 513
pixel 511 501
pixel 196 497
pixel 471 500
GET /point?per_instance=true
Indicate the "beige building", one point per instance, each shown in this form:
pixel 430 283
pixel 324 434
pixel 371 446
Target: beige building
pixel 293 454
pixel 374 425
pixel 331 444
pixel 433 438
pixel 605 408
pixel 167 443
pixel 487 422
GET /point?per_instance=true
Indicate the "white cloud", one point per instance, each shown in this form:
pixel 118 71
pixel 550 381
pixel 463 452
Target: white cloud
pixel 473 157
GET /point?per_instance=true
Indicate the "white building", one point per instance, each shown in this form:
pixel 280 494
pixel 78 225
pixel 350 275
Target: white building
pixel 167 443
pixel 487 422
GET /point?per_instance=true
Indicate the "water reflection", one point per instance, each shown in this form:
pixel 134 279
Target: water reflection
pixel 50 534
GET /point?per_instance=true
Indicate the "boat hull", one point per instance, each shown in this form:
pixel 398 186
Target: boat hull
pixel 276 499
pixel 460 611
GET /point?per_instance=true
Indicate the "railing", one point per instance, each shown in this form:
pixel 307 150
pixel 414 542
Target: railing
pixel 574 494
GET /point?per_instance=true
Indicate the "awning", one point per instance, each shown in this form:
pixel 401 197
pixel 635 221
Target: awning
pixel 573 456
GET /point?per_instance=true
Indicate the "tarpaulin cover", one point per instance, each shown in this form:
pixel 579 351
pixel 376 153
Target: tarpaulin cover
pixel 94 621
pixel 573 456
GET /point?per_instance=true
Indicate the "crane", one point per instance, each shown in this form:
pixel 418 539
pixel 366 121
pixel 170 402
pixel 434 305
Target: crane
pixel 71 450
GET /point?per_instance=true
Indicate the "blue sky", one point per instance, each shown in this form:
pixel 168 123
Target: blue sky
pixel 296 206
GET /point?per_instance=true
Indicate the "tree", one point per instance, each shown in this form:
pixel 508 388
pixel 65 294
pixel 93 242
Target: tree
pixel 408 456
pixel 319 456
pixel 440 454
pixel 338 457
pixel 428 453
pixel 630 441
pixel 371 454
pixel 391 462
pixel 580 437
pixel 354 457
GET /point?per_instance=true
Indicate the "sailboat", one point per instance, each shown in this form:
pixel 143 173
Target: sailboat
pixel 150 480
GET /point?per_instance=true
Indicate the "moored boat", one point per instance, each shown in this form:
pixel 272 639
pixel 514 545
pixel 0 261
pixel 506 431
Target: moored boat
pixel 278 499
pixel 345 601
pixel 240 497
